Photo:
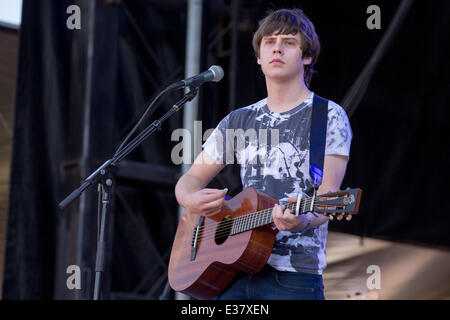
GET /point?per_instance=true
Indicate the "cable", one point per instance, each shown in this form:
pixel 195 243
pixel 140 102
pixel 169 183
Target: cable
pixel 140 120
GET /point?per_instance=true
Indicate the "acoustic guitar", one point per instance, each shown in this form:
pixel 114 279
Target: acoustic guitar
pixel 208 252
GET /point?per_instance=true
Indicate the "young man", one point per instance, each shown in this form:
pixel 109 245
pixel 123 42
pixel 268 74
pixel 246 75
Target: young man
pixel 286 46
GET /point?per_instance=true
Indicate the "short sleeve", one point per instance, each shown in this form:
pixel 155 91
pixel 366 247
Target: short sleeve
pixel 339 132
pixel 217 145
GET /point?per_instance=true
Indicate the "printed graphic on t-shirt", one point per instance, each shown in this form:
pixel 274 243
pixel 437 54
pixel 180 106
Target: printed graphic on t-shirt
pixel 273 152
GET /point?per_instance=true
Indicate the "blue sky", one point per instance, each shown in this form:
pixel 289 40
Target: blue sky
pixel 10 12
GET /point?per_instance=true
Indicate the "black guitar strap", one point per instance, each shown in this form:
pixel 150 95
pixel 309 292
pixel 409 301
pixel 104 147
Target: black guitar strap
pixel 317 139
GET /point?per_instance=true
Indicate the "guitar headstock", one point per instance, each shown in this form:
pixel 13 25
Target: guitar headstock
pixel 339 204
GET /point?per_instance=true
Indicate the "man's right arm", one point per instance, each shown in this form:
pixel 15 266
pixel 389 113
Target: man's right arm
pixel 190 192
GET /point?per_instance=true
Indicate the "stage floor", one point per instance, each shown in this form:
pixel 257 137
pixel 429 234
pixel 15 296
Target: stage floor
pixel 406 271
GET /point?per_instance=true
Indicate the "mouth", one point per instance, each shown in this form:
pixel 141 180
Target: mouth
pixel 276 61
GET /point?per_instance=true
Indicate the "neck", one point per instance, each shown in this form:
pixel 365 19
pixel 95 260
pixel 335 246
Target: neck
pixel 264 217
pixel 283 96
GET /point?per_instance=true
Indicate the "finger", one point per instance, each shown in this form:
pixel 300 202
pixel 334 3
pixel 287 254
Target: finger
pixel 275 209
pixel 285 219
pixel 214 191
pixel 212 209
pixel 217 204
pixel 277 214
pixel 292 199
pixel 278 211
pixel 211 197
pixel 211 212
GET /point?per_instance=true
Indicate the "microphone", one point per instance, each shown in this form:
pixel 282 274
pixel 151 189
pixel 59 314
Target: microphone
pixel 214 73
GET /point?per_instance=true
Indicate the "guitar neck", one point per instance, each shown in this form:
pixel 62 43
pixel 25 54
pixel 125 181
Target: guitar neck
pixel 264 217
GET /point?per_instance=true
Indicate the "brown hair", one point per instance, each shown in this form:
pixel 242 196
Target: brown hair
pixel 291 21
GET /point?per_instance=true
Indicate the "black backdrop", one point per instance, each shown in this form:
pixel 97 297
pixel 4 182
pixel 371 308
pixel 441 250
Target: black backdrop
pixel 398 156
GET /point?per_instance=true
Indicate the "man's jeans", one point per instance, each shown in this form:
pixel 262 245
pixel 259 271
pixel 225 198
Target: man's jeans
pixel 270 284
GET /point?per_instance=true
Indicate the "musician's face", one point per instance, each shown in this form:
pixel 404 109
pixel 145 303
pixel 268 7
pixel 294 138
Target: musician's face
pixel 280 57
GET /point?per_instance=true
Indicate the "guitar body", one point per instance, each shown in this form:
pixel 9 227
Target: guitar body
pixel 220 256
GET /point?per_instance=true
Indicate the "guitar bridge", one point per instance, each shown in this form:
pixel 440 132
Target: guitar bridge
pixel 196 237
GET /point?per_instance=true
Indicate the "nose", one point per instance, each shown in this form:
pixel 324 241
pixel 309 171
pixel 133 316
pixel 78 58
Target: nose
pixel 278 47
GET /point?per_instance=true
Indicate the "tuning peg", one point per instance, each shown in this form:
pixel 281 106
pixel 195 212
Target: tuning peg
pixel 348 217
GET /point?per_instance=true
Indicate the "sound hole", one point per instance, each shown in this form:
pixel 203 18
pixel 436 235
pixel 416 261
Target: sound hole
pixel 223 230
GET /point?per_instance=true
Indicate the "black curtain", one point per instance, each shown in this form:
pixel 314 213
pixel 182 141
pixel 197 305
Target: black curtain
pixel 133 59
pixel 399 153
pixel 39 130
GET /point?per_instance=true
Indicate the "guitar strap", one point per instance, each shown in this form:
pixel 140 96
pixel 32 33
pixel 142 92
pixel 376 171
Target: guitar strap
pixel 317 139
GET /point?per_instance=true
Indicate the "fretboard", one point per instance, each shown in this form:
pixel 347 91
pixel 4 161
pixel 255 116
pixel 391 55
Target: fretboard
pixel 261 218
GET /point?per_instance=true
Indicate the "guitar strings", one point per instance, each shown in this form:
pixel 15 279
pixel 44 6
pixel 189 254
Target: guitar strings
pixel 248 217
pixel 245 221
pixel 219 230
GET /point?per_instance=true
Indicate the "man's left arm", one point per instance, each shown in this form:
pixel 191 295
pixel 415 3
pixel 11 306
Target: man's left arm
pixel 333 173
pixel 334 168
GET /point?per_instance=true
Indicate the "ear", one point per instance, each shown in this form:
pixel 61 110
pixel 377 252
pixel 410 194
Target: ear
pixel 307 61
pixel 258 60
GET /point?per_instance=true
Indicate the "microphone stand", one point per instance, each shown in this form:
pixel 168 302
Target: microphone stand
pixel 103 177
